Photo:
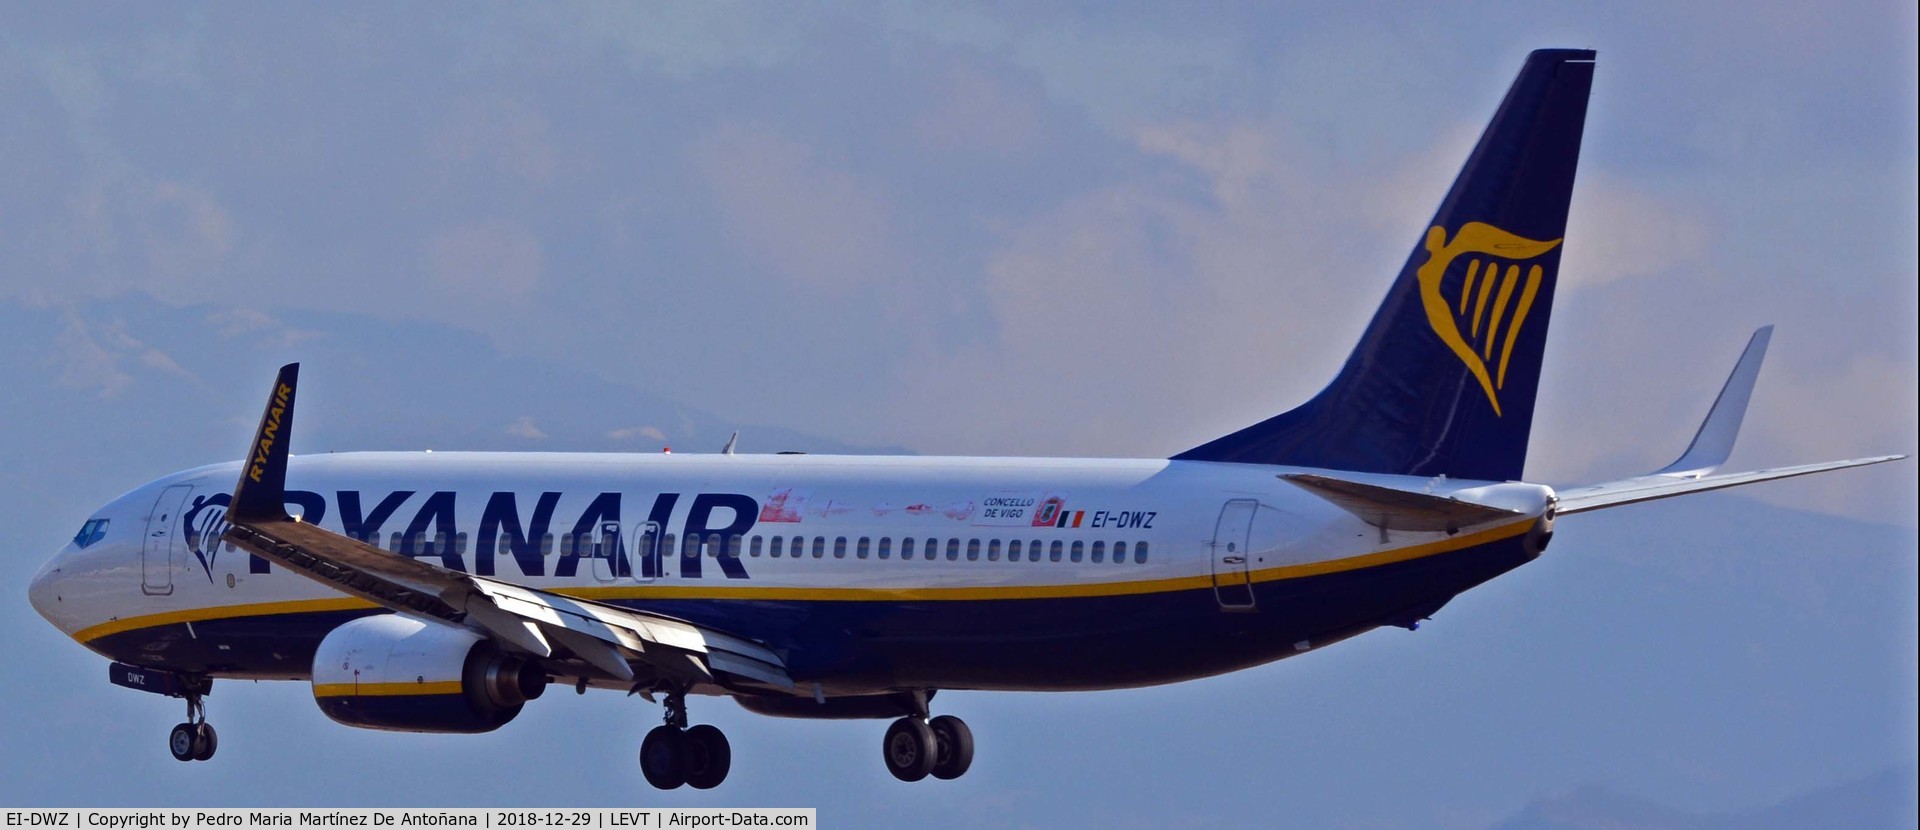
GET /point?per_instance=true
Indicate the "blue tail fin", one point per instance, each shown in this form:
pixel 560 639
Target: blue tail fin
pixel 1443 381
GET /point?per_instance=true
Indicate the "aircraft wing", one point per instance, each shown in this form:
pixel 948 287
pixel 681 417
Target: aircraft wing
pixel 1692 471
pixel 620 642
pixel 1648 488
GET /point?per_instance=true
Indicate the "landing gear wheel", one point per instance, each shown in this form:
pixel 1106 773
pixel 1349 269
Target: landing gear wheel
pixel 953 752
pixel 205 741
pixel 708 756
pixel 181 742
pixel 663 759
pixel 909 749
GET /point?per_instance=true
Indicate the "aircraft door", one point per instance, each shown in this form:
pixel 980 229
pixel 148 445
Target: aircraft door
pixel 156 553
pixel 1231 585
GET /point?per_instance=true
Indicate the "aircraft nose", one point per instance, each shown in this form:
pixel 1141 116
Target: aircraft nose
pixel 43 591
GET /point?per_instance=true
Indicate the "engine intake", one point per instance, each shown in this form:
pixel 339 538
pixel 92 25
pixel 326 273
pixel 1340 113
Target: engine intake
pixel 406 675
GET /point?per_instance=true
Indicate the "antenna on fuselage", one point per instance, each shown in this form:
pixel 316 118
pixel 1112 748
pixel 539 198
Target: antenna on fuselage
pixel 728 449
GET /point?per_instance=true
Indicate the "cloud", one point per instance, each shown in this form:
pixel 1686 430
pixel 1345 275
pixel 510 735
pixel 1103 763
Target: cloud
pixel 502 133
pixel 493 258
pixel 259 327
pixel 973 110
pixel 93 357
pixel 806 220
pixel 1618 230
pixel 628 433
pixel 524 427
pixel 1193 282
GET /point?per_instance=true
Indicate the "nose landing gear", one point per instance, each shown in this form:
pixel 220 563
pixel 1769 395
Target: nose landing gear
pixel 194 740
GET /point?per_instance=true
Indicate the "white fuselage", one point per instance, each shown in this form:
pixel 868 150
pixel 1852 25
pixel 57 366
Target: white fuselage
pixel 813 554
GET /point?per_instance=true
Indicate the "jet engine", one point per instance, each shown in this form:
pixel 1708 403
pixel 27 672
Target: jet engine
pixel 407 675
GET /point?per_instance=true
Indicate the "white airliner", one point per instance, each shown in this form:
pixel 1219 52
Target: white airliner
pixel 439 592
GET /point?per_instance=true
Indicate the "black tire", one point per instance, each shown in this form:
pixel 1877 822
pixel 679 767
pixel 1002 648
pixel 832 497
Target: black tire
pixel 181 742
pixel 708 756
pixel 909 749
pixel 205 741
pixel 663 757
pixel 953 752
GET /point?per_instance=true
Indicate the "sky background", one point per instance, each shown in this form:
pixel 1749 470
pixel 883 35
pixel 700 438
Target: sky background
pixel 1113 229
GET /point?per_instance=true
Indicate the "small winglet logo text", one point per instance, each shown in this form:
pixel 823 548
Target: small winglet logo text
pixel 269 432
pixel 1486 298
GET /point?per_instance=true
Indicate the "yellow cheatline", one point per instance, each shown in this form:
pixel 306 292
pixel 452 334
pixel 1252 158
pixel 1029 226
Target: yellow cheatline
pixel 982 592
pixel 438 687
pixel 222 612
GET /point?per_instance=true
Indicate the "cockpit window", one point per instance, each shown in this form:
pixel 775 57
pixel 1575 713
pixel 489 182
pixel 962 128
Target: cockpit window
pixel 93 531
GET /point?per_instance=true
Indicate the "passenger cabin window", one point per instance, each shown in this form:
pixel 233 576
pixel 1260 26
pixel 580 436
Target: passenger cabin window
pixel 1119 552
pixel 753 548
pixel 953 550
pixel 1099 551
pixel 906 548
pixel 819 547
pixel 840 547
pixel 860 548
pixel 885 543
pixel 932 551
pixel 1077 547
pixel 1053 551
pixel 1013 551
pixel 1140 552
pixel 773 548
pixel 973 550
pixel 993 551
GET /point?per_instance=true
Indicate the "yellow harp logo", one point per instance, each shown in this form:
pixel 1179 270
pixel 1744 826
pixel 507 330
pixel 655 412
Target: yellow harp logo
pixel 1471 322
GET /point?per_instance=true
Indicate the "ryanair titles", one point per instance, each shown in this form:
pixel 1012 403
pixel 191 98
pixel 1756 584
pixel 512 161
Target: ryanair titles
pixel 269 432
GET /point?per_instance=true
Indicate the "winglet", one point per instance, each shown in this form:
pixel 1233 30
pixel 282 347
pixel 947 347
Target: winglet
pixel 1714 442
pixel 261 493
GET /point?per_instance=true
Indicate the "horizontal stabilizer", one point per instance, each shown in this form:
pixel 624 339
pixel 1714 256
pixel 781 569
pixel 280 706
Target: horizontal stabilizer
pixel 1648 488
pixel 1388 508
pixel 1691 472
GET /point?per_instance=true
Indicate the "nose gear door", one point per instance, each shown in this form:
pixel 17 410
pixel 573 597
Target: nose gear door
pixel 157 552
pixel 1231 585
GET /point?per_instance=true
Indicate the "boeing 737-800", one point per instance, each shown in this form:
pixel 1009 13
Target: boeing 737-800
pixel 440 592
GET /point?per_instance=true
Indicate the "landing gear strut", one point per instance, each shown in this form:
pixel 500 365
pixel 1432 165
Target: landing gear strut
pixel 194 740
pixel 917 746
pixel 674 754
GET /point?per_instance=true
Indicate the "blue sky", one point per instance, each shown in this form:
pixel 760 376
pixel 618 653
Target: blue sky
pixel 994 228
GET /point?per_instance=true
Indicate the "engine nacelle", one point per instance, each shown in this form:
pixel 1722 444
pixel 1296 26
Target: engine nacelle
pixel 406 675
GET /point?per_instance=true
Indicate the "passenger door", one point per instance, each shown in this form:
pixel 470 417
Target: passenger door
pixel 1231 585
pixel 156 553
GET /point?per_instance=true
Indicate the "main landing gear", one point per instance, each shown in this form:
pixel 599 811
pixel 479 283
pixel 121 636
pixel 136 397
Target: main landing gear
pixel 194 740
pixel 917 746
pixel 674 754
